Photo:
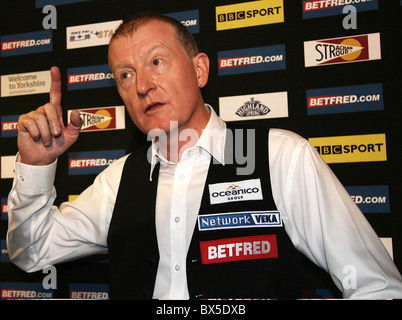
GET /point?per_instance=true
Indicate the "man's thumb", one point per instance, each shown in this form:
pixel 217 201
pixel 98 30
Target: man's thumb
pixel 74 127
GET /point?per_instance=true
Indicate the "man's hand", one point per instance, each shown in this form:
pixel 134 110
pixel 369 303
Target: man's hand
pixel 42 136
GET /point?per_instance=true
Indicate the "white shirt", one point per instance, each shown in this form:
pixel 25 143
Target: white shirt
pixel 319 216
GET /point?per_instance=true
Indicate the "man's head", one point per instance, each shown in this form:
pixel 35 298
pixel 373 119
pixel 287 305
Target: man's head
pixel 130 25
pixel 159 73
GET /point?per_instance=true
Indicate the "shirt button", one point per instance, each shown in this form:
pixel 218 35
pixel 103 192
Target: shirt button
pixel 177 267
pixel 182 177
pixel 177 219
pixel 22 178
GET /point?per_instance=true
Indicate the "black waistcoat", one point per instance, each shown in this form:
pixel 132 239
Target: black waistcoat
pixel 133 247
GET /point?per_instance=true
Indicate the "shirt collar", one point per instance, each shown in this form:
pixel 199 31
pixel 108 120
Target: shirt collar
pixel 212 140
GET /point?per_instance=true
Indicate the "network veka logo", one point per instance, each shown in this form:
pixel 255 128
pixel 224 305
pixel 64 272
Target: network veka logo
pixel 357 148
pixel 249 14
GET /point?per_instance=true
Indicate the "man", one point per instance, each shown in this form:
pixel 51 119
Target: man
pixel 184 224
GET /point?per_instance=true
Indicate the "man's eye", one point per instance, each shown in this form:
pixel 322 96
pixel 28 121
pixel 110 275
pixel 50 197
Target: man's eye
pixel 125 75
pixel 156 62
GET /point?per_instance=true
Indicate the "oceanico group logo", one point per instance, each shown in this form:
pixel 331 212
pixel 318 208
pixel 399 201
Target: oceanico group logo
pixel 235 191
pixel 342 50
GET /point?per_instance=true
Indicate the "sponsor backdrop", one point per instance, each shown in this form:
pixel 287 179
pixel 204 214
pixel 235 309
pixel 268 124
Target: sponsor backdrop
pixel 308 66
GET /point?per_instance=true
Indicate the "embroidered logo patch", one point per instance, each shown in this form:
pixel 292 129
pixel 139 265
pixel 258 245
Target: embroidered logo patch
pixel 235 220
pixel 239 249
pixel 235 191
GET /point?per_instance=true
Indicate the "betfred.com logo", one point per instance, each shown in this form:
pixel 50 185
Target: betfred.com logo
pixel 357 98
pixel 98 76
pixel 370 199
pixel 190 19
pixel 9 126
pixel 26 43
pixel 252 60
pixel 92 162
pixel 342 50
pixel 323 8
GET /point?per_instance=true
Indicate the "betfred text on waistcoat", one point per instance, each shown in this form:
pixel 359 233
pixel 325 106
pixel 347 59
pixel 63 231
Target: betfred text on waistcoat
pixel 239 249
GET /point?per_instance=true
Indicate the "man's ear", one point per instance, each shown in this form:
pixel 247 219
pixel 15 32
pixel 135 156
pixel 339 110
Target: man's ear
pixel 201 63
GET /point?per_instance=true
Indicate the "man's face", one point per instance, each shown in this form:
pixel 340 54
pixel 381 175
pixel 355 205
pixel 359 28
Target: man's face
pixel 157 81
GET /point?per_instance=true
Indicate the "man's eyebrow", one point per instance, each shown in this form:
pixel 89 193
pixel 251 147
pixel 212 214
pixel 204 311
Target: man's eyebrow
pixel 118 67
pixel 146 53
pixel 158 46
pixel 121 66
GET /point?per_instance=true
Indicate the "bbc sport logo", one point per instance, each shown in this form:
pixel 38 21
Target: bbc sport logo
pixel 249 14
pixel 355 148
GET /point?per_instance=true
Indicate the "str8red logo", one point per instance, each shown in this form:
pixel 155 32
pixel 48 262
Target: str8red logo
pixel 239 249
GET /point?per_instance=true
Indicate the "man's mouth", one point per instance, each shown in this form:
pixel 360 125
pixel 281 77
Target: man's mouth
pixel 152 106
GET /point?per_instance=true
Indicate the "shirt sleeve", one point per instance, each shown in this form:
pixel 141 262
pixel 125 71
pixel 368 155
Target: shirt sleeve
pixel 325 224
pixel 40 233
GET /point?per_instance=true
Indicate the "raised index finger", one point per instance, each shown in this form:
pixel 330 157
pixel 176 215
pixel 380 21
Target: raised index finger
pixel 55 88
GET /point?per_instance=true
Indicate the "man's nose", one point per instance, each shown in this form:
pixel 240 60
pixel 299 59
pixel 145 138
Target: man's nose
pixel 145 83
